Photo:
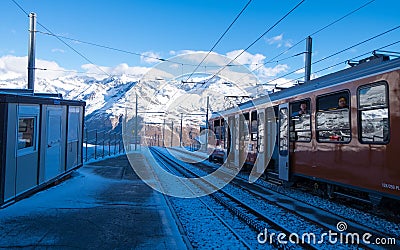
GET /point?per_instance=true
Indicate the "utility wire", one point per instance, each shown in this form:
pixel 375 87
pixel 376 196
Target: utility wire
pixel 337 64
pixel 110 48
pixel 334 54
pixel 78 72
pixel 312 34
pixel 79 53
pixel 69 46
pixel 262 35
pixel 357 56
pixel 22 9
pixel 367 40
pixel 220 38
pixel 129 52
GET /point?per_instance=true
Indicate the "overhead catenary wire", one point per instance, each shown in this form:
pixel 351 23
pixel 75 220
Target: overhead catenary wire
pixel 255 41
pixel 336 53
pixel 220 38
pixel 161 59
pixel 311 35
pixel 337 64
pixel 229 64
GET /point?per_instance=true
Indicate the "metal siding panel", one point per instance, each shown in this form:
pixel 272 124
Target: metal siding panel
pixel 10 164
pixel 27 162
pixel 3 141
pixel 26 173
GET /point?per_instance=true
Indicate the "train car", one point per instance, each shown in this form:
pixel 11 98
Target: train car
pixel 342 130
pixel 247 138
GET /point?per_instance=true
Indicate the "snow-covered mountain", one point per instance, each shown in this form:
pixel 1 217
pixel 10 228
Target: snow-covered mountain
pixel 109 99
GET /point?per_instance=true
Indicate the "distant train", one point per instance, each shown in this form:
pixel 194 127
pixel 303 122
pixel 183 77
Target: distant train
pixel 341 130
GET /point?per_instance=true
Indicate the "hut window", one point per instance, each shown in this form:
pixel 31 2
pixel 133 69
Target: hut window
pixel 26 132
pixel 73 124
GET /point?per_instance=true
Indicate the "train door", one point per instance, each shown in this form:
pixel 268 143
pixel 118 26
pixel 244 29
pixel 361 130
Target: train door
pixel 283 142
pixel 244 137
pixel 261 157
pixel 231 140
pixel 227 139
pixel 236 140
pixel 271 144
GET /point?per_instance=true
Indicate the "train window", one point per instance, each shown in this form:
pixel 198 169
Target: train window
pixel 253 126
pixel 333 118
pixel 261 132
pixel 283 123
pixel 373 113
pixel 216 129
pixel 300 121
pixel 222 129
pixel 244 127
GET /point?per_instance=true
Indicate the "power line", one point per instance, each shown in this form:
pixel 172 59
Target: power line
pixel 367 40
pixel 22 9
pixel 66 44
pixel 337 64
pixel 244 8
pixel 79 53
pixel 312 34
pixel 262 35
pixel 130 52
pixel 110 48
pixel 78 72
pixel 339 52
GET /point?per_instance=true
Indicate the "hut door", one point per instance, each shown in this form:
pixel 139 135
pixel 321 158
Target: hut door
pixel 284 142
pixel 53 143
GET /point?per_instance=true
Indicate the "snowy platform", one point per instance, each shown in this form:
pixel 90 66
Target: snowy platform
pixel 103 205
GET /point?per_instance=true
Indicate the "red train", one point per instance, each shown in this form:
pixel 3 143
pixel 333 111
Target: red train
pixel 341 130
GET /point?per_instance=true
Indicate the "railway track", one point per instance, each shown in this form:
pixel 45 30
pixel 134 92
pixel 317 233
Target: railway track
pixel 277 203
pixel 254 218
pixel 167 165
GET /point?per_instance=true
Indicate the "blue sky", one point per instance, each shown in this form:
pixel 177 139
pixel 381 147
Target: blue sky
pixel 166 28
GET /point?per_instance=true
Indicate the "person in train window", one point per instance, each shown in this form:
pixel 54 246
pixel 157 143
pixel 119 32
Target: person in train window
pixel 342 103
pixel 303 109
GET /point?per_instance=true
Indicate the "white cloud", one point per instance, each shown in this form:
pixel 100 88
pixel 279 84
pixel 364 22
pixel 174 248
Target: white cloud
pixel 13 67
pixel 282 82
pixel 58 50
pixel 245 58
pixel 300 71
pixel 175 66
pixel 279 41
pixel 275 39
pixel 288 44
pixel 150 57
pixel 266 72
pixel 98 72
